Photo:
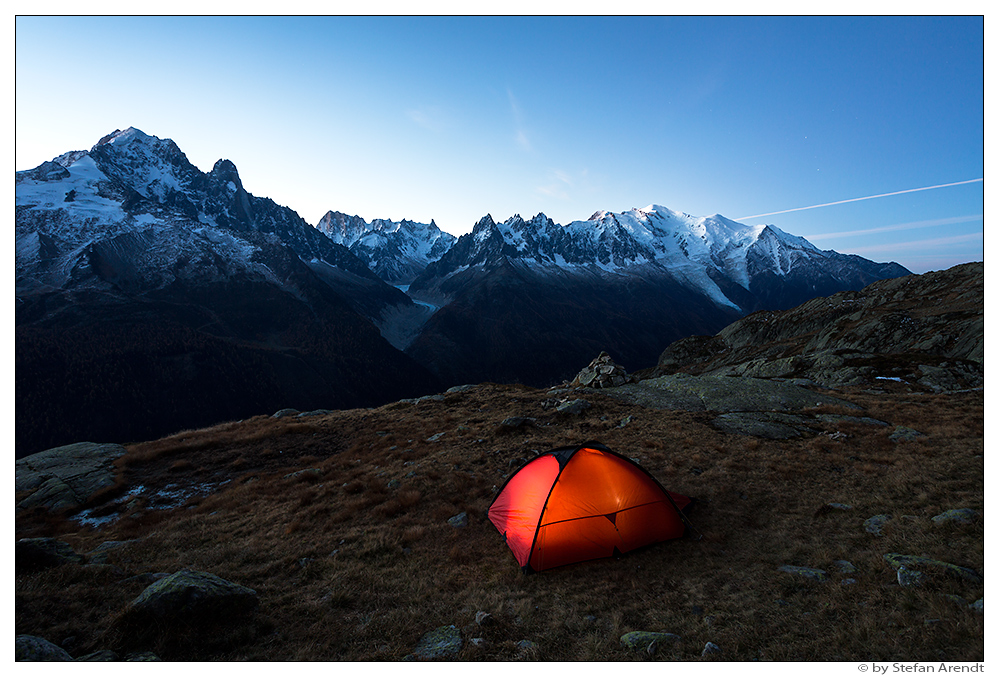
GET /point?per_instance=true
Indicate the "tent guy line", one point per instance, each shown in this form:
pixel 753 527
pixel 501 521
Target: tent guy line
pixel 858 199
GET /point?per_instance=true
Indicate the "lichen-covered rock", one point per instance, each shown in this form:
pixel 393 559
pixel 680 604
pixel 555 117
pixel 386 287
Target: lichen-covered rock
pixel 908 577
pixel 915 562
pixel 806 572
pixel 194 594
pixel 31 648
pixel 442 642
pixel 458 521
pixel 845 567
pixel 33 554
pixel 643 640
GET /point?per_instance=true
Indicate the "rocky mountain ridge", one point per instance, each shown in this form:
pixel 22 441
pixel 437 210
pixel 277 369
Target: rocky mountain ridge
pixel 396 251
pixel 555 295
pixel 736 266
pixel 174 298
pixel 927 329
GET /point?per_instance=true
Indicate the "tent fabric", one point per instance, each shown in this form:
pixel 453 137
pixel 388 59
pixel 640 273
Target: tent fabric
pixel 580 503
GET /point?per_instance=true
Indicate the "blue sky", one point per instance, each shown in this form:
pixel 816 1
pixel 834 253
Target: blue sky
pixel 452 118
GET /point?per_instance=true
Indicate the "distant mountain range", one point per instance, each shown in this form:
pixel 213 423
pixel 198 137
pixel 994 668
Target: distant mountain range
pixel 531 301
pixel 152 296
pixel 396 251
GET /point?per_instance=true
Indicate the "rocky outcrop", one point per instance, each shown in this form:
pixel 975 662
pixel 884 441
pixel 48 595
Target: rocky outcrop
pixel 924 330
pixel 716 393
pixel 602 372
pixel 64 477
pixel 747 406
pixel 188 595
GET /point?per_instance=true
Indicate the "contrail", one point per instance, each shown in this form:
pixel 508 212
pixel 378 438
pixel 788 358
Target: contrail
pixel 857 199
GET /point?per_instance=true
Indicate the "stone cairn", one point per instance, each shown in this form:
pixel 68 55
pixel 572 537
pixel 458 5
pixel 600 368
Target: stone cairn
pixel 602 372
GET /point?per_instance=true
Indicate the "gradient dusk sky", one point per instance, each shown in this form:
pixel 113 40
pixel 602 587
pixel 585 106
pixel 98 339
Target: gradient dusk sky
pixel 451 118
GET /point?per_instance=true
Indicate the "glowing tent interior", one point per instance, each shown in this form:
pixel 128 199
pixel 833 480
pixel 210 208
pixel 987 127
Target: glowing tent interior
pixel 585 502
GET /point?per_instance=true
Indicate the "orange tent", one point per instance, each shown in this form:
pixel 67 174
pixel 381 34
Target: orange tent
pixel 581 503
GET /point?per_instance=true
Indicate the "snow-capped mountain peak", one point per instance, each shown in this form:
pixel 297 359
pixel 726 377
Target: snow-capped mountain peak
pixel 712 255
pixel 396 251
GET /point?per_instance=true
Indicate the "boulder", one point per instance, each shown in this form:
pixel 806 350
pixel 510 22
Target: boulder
pixel 194 595
pixel 64 477
pixel 31 648
pixel 34 554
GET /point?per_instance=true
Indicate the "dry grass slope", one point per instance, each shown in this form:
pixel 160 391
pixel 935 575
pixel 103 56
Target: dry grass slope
pixel 353 558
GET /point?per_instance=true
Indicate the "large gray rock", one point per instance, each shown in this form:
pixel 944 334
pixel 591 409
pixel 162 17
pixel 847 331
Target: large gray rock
pixel 721 393
pixel 31 648
pixel 194 594
pixel 64 477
